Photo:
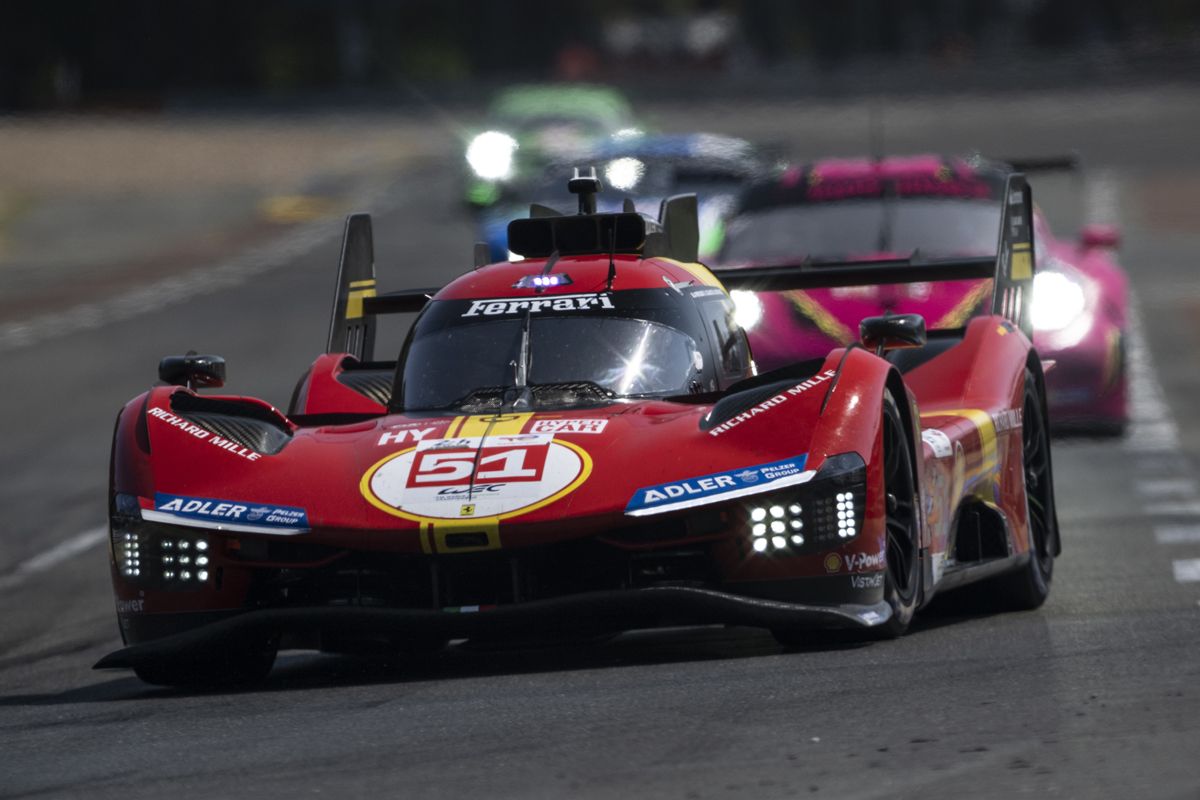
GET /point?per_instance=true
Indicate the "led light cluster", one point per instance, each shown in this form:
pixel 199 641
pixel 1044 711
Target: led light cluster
pixel 185 560
pixel 542 281
pixel 845 515
pixel 130 553
pixel 776 527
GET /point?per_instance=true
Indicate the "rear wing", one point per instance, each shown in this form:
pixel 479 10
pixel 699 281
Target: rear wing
pixel 1011 268
pixel 1070 162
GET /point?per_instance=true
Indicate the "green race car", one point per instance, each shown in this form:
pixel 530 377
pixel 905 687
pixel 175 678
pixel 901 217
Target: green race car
pixel 530 125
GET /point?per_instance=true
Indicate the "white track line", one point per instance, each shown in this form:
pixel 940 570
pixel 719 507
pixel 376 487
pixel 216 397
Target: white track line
pixel 1187 570
pixel 1190 508
pixel 1153 432
pixel 1152 427
pixel 234 271
pixel 79 543
pixel 168 291
pixel 1158 488
pixel 1177 534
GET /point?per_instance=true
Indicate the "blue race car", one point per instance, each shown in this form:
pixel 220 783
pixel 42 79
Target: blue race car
pixel 644 169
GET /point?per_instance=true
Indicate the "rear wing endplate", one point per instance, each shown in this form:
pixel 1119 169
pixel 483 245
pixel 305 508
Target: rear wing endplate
pixel 1012 268
pixel 352 329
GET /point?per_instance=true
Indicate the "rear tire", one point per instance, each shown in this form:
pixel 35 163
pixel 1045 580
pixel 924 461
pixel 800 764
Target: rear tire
pixel 1028 587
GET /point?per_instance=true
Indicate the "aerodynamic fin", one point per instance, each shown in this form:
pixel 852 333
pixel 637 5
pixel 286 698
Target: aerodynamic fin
pixel 1013 289
pixel 679 218
pixel 352 328
pixel 1070 162
pixel 539 211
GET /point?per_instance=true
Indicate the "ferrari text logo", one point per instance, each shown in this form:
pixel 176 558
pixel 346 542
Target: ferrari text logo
pixel 562 302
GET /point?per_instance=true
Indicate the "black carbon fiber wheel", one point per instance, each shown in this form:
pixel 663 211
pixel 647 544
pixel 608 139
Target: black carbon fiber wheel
pixel 902 580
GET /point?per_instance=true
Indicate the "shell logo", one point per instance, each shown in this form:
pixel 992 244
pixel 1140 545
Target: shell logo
pixel 833 562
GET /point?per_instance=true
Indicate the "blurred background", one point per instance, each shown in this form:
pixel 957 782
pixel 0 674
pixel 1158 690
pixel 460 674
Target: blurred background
pixel 155 56
pixel 142 136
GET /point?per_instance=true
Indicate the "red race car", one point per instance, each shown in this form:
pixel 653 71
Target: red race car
pixel 577 443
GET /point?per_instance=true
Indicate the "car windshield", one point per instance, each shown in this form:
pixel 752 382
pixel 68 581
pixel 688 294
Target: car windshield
pixel 855 228
pixel 572 360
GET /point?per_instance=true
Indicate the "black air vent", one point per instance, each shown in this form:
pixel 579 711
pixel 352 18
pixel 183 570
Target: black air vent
pixel 250 426
pixel 750 392
pixel 373 383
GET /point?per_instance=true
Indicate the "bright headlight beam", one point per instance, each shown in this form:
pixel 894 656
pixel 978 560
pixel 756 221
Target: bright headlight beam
pixel 1057 301
pixel 748 308
pixel 490 155
pixel 624 173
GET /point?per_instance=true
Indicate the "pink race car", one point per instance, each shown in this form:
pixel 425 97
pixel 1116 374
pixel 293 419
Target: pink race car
pixel 910 209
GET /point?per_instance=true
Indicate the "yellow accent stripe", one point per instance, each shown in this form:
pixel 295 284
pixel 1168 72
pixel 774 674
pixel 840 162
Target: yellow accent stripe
pixel 354 302
pixel 1020 266
pixel 957 316
pixel 983 423
pixel 362 284
pixel 825 322
pixel 488 526
pixel 697 271
pixel 494 424
pixel 452 430
pixel 1112 357
pixel 1021 246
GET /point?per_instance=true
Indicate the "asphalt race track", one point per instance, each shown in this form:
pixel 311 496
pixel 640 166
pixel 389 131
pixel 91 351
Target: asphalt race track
pixel 1095 695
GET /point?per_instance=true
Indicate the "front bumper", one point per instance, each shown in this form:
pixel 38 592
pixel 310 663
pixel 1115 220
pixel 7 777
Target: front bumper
pixel 1087 384
pixel 595 612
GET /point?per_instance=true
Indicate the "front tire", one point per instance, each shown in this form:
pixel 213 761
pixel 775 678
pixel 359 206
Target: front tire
pixel 1028 587
pixel 902 579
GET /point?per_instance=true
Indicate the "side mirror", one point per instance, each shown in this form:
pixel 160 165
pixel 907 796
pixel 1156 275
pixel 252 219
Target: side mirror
pixel 892 332
pixel 1099 237
pixel 193 371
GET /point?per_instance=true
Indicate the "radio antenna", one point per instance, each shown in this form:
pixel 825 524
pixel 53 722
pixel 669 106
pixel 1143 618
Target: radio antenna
pixel 612 254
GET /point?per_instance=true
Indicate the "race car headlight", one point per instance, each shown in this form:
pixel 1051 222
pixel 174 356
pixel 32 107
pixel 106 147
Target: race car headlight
pixel 748 308
pixel 624 173
pixel 824 513
pixel 1057 301
pixel 490 155
pixel 154 555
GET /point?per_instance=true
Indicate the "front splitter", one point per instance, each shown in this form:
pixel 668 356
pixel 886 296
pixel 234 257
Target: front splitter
pixel 608 611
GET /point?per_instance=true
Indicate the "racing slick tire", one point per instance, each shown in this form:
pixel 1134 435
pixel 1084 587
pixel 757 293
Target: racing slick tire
pixel 902 578
pixel 237 664
pixel 1028 587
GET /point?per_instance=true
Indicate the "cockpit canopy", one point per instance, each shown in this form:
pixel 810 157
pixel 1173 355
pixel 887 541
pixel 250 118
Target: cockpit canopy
pixel 571 350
